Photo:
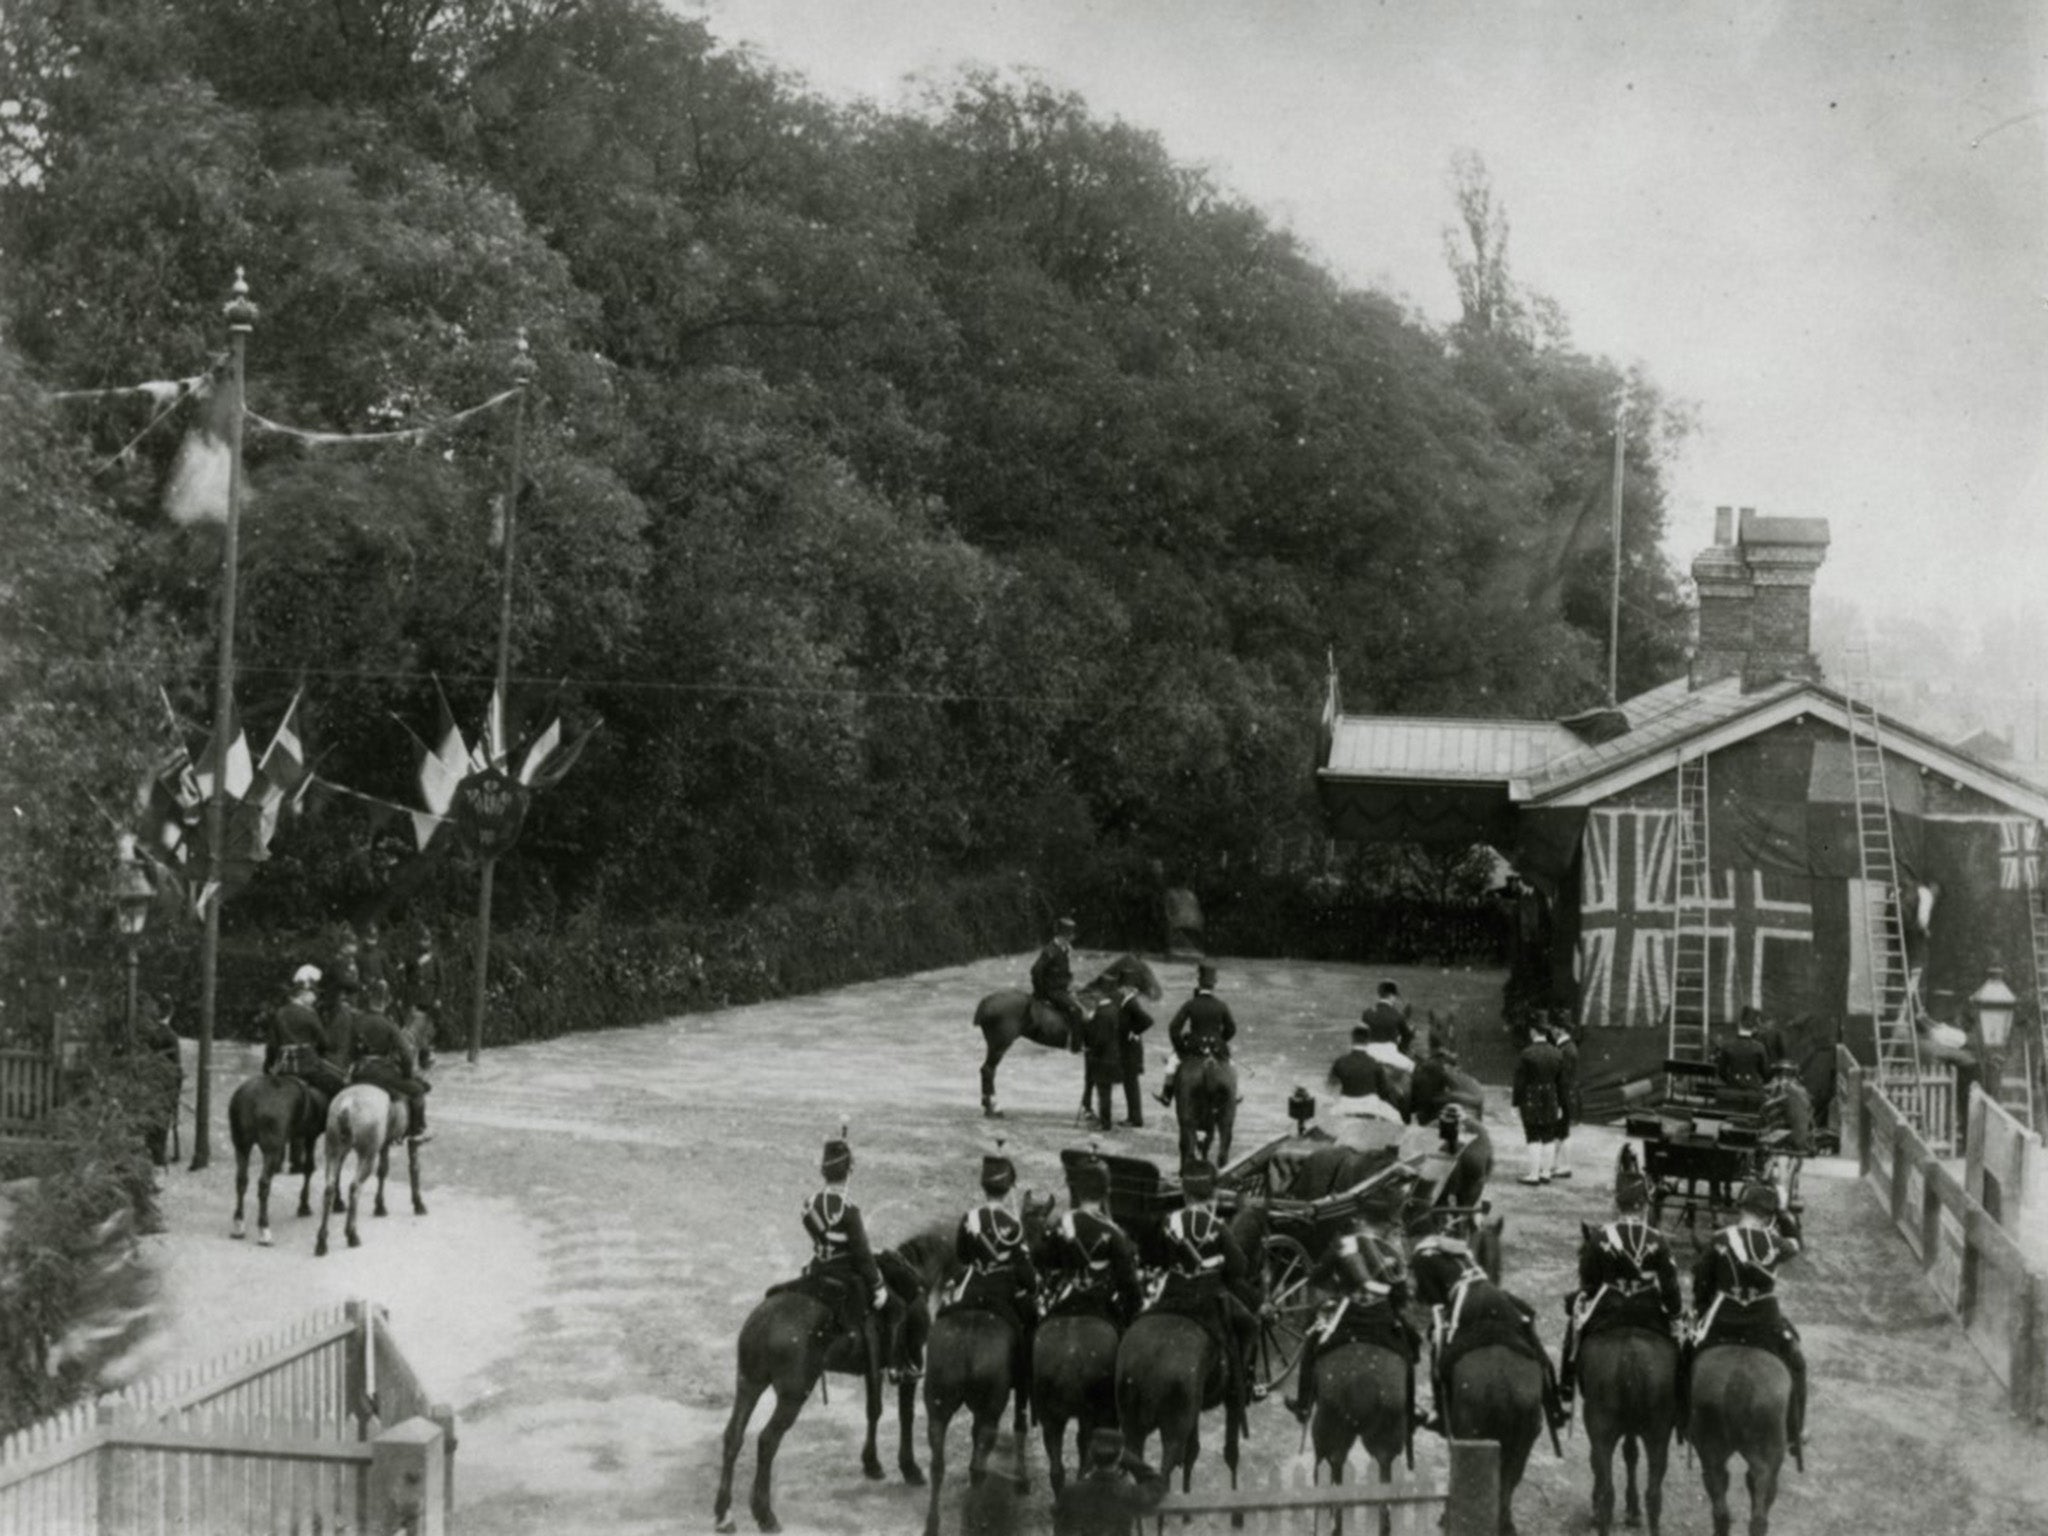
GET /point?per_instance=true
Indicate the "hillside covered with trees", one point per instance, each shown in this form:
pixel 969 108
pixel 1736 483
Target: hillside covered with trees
pixel 919 495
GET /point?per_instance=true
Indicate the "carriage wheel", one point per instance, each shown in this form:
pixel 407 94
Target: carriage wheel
pixel 1290 1308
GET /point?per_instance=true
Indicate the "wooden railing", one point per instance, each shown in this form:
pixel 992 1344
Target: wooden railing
pixel 29 1089
pixel 1464 1502
pixel 1974 1265
pixel 288 1435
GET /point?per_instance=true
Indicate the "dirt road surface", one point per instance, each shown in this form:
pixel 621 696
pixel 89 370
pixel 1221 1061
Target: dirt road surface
pixel 606 1208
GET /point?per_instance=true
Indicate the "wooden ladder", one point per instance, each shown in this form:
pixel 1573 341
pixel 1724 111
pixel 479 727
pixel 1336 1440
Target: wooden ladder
pixel 2032 1049
pixel 1898 1041
pixel 1691 963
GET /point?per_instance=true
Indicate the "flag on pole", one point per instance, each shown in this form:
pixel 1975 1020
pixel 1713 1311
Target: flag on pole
pixel 281 779
pixel 170 802
pixel 240 772
pixel 553 768
pixel 196 490
pixel 446 762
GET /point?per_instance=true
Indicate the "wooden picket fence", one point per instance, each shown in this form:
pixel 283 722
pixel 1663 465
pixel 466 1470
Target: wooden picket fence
pixel 29 1090
pixel 1462 1500
pixel 323 1428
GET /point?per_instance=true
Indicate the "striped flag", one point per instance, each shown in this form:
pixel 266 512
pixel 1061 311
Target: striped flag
pixel 240 771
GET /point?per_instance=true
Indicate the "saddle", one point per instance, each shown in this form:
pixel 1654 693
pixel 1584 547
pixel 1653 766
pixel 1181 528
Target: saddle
pixel 840 1294
pixel 1754 1323
pixel 1481 1316
pixel 995 1294
pixel 1198 1299
pixel 1368 1322
pixel 1636 1305
pixel 1085 1300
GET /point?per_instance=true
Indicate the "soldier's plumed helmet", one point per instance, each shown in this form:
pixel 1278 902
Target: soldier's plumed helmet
pixel 998 1174
pixel 1106 1446
pixel 1631 1191
pixel 1758 1200
pixel 306 976
pixel 838 1160
pixel 1198 1179
pixel 1088 1179
pixel 1450 1117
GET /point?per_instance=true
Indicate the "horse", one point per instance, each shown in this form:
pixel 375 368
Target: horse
pixel 1438 1080
pixel 1496 1392
pixel 970 1362
pixel 1362 1398
pixel 1073 1381
pixel 789 1342
pixel 1205 1104
pixel 1008 1016
pixel 365 1120
pixel 1628 1379
pixel 1168 1370
pixel 281 1115
pixel 1738 1400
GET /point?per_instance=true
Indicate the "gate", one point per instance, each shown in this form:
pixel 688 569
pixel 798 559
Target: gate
pixel 1464 1500
pixel 28 1090
pixel 323 1427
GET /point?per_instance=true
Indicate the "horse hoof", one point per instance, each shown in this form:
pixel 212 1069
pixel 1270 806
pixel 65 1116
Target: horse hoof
pixel 320 1249
pixel 354 1241
pixel 725 1527
pixel 872 1471
pixel 990 1112
pixel 768 1522
pixel 237 1232
pixel 913 1475
pixel 305 1209
pixel 380 1211
pixel 263 1238
pixel 419 1207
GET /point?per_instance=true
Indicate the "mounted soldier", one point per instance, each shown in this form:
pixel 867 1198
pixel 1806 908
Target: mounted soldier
pixel 382 1055
pixel 1734 1296
pixel 1471 1309
pixel 995 1254
pixel 842 1271
pixel 1052 980
pixel 1368 1285
pixel 1202 1027
pixel 1627 1276
pixel 1085 1258
pixel 295 1046
pixel 1207 1261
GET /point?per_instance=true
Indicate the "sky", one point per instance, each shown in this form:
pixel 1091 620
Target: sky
pixel 1825 226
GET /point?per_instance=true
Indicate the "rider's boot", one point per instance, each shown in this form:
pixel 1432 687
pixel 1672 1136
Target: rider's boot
pixel 1795 1417
pixel 1568 1354
pixel 1303 1401
pixel 419 1135
pixel 1556 1407
pixel 1167 1084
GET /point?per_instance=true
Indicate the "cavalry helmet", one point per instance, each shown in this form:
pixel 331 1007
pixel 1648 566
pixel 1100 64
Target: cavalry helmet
pixel 998 1173
pixel 306 976
pixel 1198 1179
pixel 1759 1199
pixel 837 1162
pixel 1631 1190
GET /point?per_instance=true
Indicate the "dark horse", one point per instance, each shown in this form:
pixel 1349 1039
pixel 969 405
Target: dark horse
pixel 789 1342
pixel 282 1116
pixel 970 1362
pixel 1008 1016
pixel 1738 1401
pixel 1073 1381
pixel 1437 1081
pixel 1205 1104
pixel 1361 1397
pixel 1496 1392
pixel 1628 1378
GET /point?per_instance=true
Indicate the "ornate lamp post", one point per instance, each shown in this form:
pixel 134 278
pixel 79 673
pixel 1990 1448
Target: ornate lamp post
pixel 1995 1007
pixel 133 897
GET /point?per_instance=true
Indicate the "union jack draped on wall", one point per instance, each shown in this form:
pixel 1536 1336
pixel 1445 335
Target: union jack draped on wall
pixel 2019 853
pixel 1759 927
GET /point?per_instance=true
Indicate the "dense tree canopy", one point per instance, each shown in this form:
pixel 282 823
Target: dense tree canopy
pixel 959 487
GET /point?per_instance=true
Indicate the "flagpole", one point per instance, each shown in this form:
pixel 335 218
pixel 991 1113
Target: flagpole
pixel 241 318
pixel 522 376
pixel 1614 599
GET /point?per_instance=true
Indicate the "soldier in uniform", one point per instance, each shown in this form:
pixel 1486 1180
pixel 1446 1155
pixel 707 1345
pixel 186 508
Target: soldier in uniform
pixel 1202 1027
pixel 1738 1270
pixel 1539 1095
pixel 381 1054
pixel 1627 1257
pixel 841 1256
pixel 1086 1251
pixel 372 965
pixel 1567 1089
pixel 1743 1062
pixel 295 1039
pixel 423 975
pixel 1111 1495
pixel 1052 979
pixel 990 1245
pixel 1204 1252
pixel 1362 1267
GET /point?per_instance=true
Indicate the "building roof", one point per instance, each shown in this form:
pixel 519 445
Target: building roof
pixel 1443 750
pixel 1666 716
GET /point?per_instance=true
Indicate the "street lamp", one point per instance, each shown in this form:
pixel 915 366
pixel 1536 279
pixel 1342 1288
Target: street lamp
pixel 134 895
pixel 1995 1006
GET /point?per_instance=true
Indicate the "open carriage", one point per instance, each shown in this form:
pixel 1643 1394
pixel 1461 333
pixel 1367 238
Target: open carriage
pixel 1702 1144
pixel 1305 1190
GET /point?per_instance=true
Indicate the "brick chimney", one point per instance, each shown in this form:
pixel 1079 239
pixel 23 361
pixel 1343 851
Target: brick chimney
pixel 1783 555
pixel 1721 578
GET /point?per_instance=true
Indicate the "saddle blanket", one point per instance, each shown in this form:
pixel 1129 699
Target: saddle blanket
pixel 1388 1055
pixel 1199 1301
pixel 1085 1301
pixel 840 1295
pixel 1488 1317
pixel 994 1294
pixel 1756 1325
pixel 1610 1309
pixel 1355 1322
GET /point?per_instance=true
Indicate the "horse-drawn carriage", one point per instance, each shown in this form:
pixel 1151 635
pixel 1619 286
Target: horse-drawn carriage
pixel 1703 1143
pixel 1288 1202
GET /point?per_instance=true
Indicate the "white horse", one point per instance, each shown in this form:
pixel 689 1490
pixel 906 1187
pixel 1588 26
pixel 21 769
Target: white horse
pixel 365 1120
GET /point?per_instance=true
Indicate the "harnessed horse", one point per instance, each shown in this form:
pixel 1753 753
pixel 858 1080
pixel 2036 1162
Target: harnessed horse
pixel 1011 1015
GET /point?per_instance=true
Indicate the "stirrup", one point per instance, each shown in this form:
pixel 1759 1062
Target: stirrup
pixel 419 1138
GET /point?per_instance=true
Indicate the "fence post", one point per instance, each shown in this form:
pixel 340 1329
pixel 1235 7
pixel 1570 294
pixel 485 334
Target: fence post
pixel 103 1472
pixel 444 1416
pixel 1473 1506
pixel 1902 1169
pixel 406 1480
pixel 359 1405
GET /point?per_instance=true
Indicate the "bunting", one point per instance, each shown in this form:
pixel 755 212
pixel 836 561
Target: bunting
pixel 313 438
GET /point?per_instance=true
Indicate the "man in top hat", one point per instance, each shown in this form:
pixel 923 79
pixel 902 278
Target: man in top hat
pixel 1625 1258
pixel 1388 1017
pixel 1202 1027
pixel 1085 1253
pixel 1362 1080
pixel 1052 979
pixel 1743 1062
pixel 842 1257
pixel 1203 1251
pixel 1737 1277
pixel 1539 1095
pixel 1111 1495
pixel 381 1054
pixel 991 1245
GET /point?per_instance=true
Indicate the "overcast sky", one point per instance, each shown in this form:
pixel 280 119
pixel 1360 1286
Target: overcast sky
pixel 1824 224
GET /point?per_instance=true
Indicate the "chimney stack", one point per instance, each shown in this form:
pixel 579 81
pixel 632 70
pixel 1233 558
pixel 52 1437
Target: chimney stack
pixel 1719 575
pixel 1783 555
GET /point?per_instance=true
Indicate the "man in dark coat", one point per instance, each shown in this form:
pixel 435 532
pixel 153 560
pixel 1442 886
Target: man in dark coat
pixel 1052 979
pixel 1111 1495
pixel 1567 1090
pixel 1539 1095
pixel 1743 1062
pixel 423 975
pixel 1387 1016
pixel 1102 1050
pixel 382 1055
pixel 1131 1023
pixel 1202 1027
pixel 294 1037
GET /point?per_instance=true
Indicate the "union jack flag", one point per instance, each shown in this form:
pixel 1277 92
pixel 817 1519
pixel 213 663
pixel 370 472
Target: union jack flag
pixel 2019 853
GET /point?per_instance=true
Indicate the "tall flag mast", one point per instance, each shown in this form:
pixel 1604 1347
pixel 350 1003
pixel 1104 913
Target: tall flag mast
pixel 1614 598
pixel 241 317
